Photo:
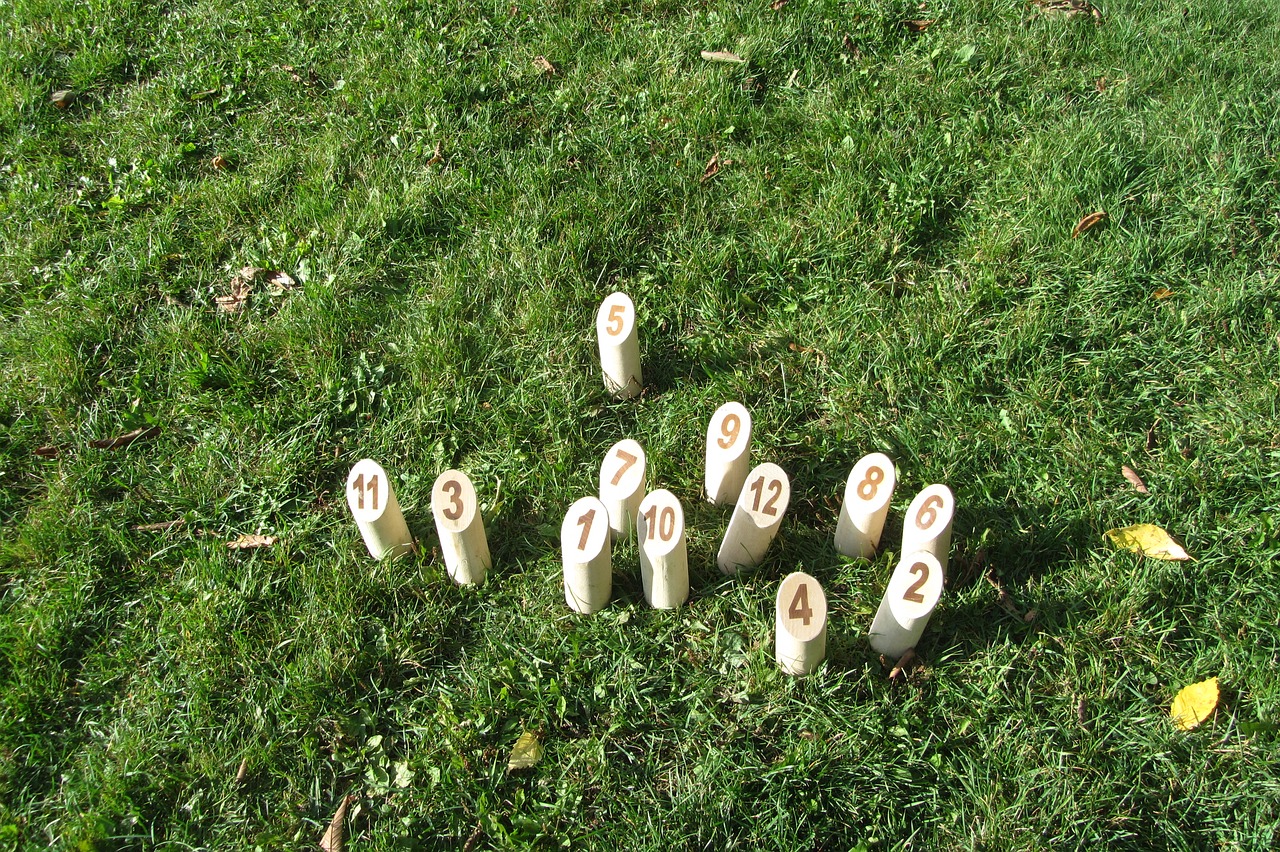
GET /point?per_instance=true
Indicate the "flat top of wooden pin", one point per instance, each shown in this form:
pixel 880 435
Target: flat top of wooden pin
pixel 801 606
pixel 368 490
pixel 453 500
pixel 766 494
pixel 871 481
pixel 585 530
pixel 616 317
pixel 663 509
pixel 915 587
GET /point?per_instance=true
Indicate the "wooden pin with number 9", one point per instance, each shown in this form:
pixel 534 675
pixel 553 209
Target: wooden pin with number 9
pixel 865 506
pixel 756 518
pixel 619 346
pixel 377 512
pixel 728 452
pixel 584 543
pixel 461 529
pixel 908 602
pixel 927 525
pixel 622 481
pixel 664 557
pixel 800 624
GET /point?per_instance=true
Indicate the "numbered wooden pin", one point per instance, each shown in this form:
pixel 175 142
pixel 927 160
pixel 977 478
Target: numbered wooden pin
pixel 622 481
pixel 461 529
pixel 619 346
pixel 800 624
pixel 908 602
pixel 584 542
pixel 756 518
pixel 664 558
pixel 377 512
pixel 927 525
pixel 865 506
pixel 728 452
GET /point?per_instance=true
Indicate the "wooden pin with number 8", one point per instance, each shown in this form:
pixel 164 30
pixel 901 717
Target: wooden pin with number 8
pixel 865 506
pixel 619 346
pixel 584 544
pixel 664 557
pixel 800 624
pixel 756 518
pixel 377 512
pixel 460 527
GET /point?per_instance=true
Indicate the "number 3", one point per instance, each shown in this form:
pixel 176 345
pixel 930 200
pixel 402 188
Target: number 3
pixel 454 489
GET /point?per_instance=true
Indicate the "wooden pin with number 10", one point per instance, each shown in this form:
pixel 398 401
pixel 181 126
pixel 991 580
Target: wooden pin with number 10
pixel 728 452
pixel 377 512
pixel 756 518
pixel 800 624
pixel 619 346
pixel 664 558
pixel 461 529
pixel 865 506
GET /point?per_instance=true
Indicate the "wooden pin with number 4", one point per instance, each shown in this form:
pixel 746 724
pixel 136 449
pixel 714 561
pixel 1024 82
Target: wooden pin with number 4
pixel 461 529
pixel 800 624
pixel 584 544
pixel 619 346
pixel 756 518
pixel 377 512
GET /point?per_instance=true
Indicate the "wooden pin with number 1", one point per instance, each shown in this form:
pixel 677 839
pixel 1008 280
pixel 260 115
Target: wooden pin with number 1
pixel 619 346
pixel 461 529
pixel 588 566
pixel 377 512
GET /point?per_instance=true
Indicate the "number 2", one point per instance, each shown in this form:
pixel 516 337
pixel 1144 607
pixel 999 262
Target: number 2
pixel 771 505
pixel 627 461
pixel 454 489
pixel 799 608
pixel 359 486
pixel 913 591
pixel 616 315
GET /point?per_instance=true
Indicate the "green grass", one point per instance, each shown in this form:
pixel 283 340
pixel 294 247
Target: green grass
pixel 899 207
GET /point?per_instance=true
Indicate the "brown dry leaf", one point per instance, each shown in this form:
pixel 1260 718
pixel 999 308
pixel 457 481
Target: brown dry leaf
pixel 723 56
pixel 917 26
pixel 1194 704
pixel 1161 293
pixel 905 664
pixel 1132 475
pixel 713 167
pixel 241 287
pixel 62 98
pixel 1100 84
pixel 1002 597
pixel 1087 222
pixel 777 5
pixel 544 65
pixel 526 753
pixel 126 439
pixel 335 838
pixel 251 542
pixel 219 162
pixel 243 772
pixel 1149 540
pixel 160 527
pixel 1066 9
pixel 851 48
pixel 438 156
pixel 49 451
pixel 1151 435
pixel 279 282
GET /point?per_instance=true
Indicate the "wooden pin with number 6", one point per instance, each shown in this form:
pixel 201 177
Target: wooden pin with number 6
pixel 756 518
pixel 728 456
pixel 622 480
pixel 927 525
pixel 584 543
pixel 800 624
pixel 907 604
pixel 664 558
pixel 619 346
pixel 865 506
pixel 461 529
pixel 377 512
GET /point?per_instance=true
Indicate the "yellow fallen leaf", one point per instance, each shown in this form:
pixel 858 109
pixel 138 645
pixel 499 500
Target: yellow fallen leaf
pixel 1149 540
pixel 335 837
pixel 1194 704
pixel 526 753
pixel 251 542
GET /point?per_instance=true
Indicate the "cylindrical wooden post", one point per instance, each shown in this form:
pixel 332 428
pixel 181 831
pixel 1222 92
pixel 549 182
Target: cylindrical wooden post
pixel 927 525
pixel 664 558
pixel 622 480
pixel 728 457
pixel 461 528
pixel 619 346
pixel 756 518
pixel 908 602
pixel 800 624
pixel 584 543
pixel 377 512
pixel 865 506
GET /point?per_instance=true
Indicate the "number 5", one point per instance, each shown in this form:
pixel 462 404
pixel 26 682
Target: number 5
pixel 617 314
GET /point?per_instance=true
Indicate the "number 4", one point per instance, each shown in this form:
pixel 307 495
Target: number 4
pixel 800 609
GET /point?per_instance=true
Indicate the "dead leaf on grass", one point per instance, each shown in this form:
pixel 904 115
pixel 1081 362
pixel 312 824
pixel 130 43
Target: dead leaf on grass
pixel 544 65
pixel 1194 704
pixel 777 5
pixel 1151 435
pixel 917 26
pixel 335 837
pixel 1066 9
pixel 713 167
pixel 243 772
pixel 526 753
pixel 723 56
pixel 241 286
pixel 251 542
pixel 160 527
pixel 1149 540
pixel 1161 293
pixel 278 283
pixel 126 439
pixel 219 162
pixel 904 666
pixel 49 451
pixel 1087 222
pixel 1132 475
pixel 63 98
pixel 438 156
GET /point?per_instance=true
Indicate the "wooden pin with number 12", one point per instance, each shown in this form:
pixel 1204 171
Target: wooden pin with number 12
pixel 800 624
pixel 619 346
pixel 377 512
pixel 461 529
pixel 756 518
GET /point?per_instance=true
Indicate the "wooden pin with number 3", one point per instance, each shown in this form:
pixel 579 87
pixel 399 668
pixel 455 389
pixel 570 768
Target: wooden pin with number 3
pixel 377 512
pixel 461 529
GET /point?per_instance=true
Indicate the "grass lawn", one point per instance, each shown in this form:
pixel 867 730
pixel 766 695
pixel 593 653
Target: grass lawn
pixel 883 261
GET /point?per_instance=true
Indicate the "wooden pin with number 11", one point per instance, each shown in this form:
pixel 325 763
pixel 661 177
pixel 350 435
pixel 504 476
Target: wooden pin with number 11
pixel 377 512
pixel 461 529
pixel 619 346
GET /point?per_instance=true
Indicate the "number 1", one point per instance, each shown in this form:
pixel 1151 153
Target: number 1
pixel 585 523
